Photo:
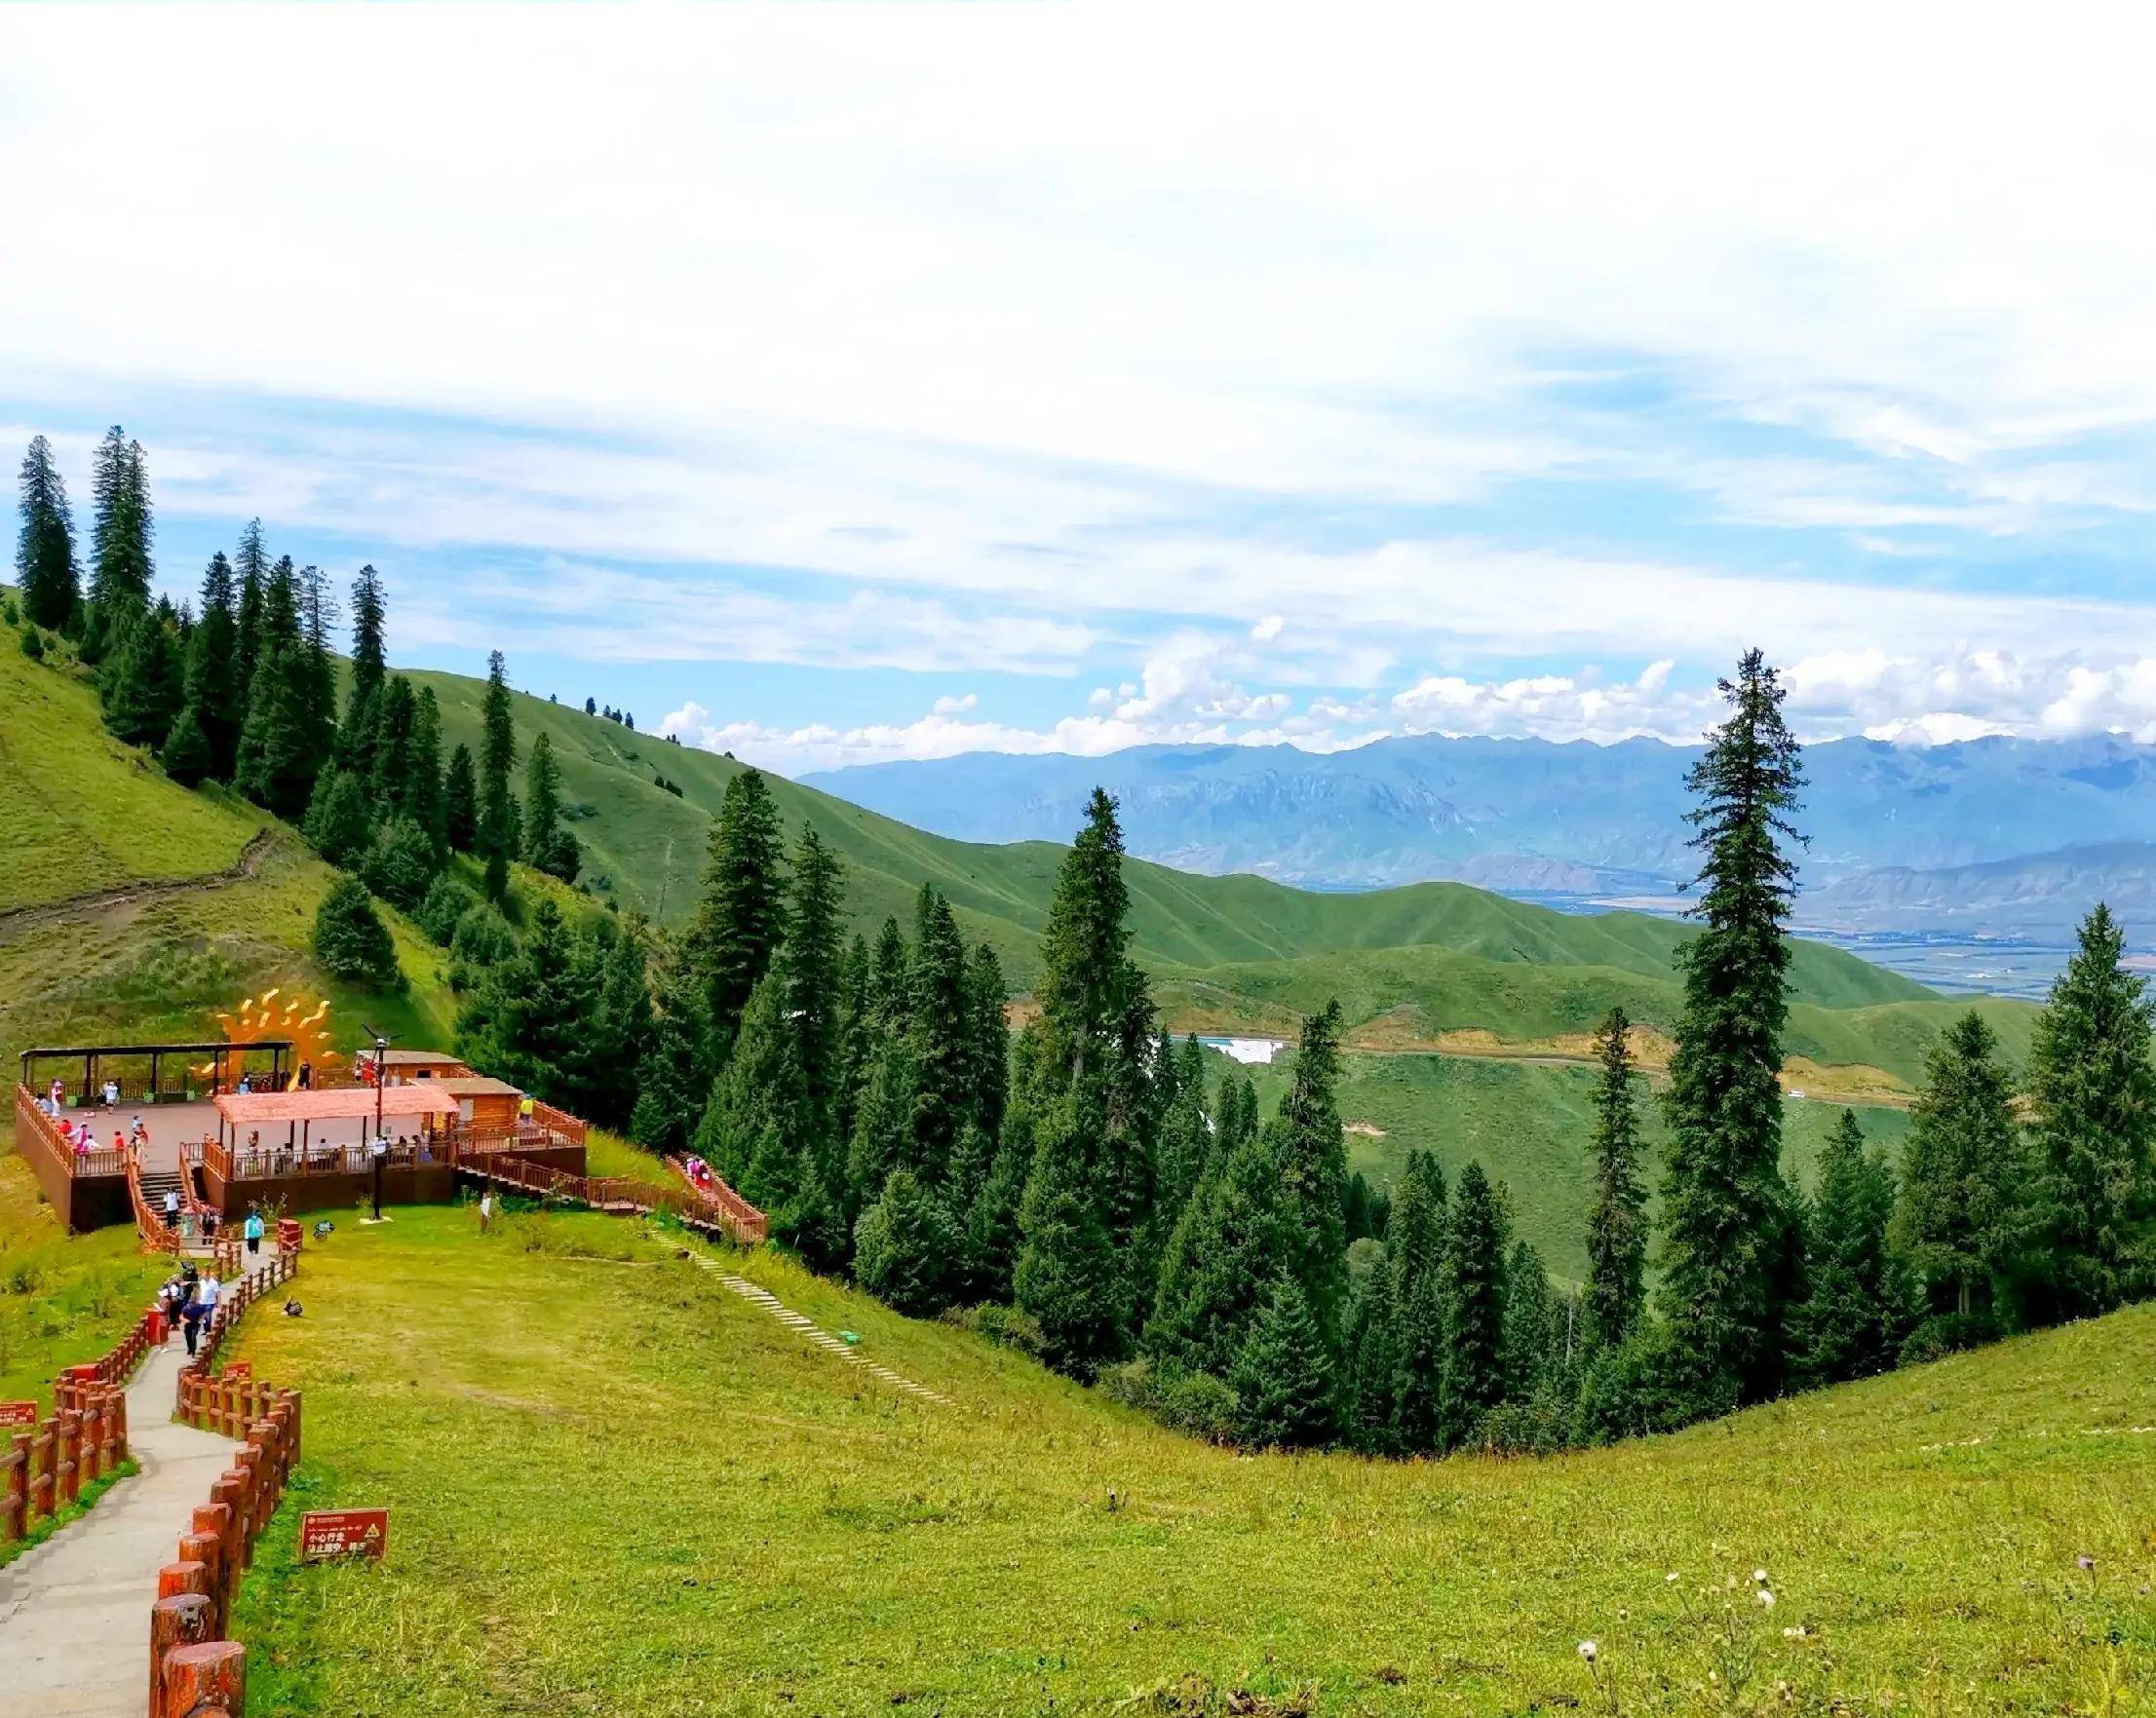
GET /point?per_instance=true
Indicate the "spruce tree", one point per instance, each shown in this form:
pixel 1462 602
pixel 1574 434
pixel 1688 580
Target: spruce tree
pixel 423 798
pixel 1533 1327
pixel 1282 1376
pixel 1957 1218
pixel 1184 1135
pixel 497 806
pixel 120 568
pixel 1854 1312
pixel 400 864
pixel 530 1020
pixel 548 846
pixel 144 680
pixel 989 1040
pixel 1312 1153
pixel 2092 1093
pixel 45 545
pixel 811 959
pixel 1374 1360
pixel 740 918
pixel 350 940
pixel 214 690
pixel 339 823
pixel 186 753
pixel 673 1072
pixel 1617 1224
pixel 385 762
pixel 460 801
pixel 369 669
pixel 1726 1213
pixel 884 1136
pixel 1098 1028
pixel 942 1025
pixel 904 1245
pixel 318 657
pixel 1474 1291
pixel 624 1025
pixel 1238 1232
pixel 1070 1276
pixel 751 1131
pixel 250 570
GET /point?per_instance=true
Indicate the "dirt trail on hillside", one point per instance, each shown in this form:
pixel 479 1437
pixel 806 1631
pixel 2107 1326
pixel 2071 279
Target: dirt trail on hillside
pixel 17 920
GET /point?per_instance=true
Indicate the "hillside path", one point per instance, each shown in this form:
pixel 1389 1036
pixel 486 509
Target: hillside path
pixel 75 1611
pixel 808 1327
pixel 14 920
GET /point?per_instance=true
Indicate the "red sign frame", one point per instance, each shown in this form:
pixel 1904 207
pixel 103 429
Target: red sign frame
pixel 18 1414
pixel 236 1369
pixel 326 1534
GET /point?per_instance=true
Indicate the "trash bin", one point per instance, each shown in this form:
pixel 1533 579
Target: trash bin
pixel 289 1233
pixel 157 1326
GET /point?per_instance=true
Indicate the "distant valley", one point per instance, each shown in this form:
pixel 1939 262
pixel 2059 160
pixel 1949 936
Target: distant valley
pixel 1972 858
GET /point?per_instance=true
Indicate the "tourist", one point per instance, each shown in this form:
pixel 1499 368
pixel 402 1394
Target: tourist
pixel 205 1295
pixel 306 1076
pixel 190 1310
pixel 253 1230
pixel 112 1095
pixel 247 1083
pixel 60 1095
pixel 119 1143
pixel 138 1135
pixel 171 1209
pixel 486 1210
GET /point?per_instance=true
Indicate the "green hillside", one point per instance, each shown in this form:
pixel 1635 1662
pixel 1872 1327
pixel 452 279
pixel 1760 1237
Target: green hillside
pixel 142 906
pixel 755 1527
pixel 645 846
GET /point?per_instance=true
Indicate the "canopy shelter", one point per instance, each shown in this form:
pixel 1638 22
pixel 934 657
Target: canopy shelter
pixel 303 1113
pixel 227 1063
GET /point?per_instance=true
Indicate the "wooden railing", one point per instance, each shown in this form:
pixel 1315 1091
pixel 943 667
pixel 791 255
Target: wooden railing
pixel 736 1214
pixel 196 1671
pixel 561 1122
pixel 721 1208
pixel 82 1439
pixel 36 1130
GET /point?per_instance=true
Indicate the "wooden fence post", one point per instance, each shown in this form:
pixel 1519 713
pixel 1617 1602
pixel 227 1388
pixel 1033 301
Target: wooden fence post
pixel 14 1521
pixel 66 1472
pixel 208 1676
pixel 177 1619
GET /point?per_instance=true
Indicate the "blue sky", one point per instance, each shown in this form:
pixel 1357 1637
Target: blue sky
pixel 833 386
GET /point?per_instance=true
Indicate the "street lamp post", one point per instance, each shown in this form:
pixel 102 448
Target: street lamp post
pixel 379 1150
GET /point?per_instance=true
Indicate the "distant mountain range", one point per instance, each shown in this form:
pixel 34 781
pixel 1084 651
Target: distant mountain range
pixel 1997 834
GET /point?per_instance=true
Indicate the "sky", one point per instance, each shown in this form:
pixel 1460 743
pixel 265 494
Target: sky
pixel 837 384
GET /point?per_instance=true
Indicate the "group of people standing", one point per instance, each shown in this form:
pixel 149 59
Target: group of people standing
pixel 189 1300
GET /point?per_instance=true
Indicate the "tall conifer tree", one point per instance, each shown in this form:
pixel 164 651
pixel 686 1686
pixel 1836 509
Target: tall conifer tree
pixel 1617 1225
pixel 497 806
pixel 45 545
pixel 1473 1279
pixel 120 568
pixel 1856 1309
pixel 369 669
pixel 741 919
pixel 2094 1093
pixel 214 691
pixel 1726 1213
pixel 1958 1217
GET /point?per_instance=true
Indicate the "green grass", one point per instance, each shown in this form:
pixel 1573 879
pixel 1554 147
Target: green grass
pixel 84 812
pixel 615 1487
pixel 62 1302
pixel 96 815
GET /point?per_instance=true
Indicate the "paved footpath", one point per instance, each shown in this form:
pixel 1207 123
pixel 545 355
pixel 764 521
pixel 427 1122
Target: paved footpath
pixel 75 1611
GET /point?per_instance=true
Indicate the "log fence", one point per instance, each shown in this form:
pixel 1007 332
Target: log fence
pixel 85 1436
pixel 717 1207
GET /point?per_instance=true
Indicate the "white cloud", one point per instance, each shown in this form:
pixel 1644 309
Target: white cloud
pixel 1267 629
pixel 954 706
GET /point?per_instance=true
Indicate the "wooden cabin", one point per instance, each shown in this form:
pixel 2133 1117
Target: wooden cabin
pixel 483 1103
pixel 403 1067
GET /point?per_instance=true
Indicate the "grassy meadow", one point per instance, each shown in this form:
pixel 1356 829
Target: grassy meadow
pixel 616 1487
pixel 61 1301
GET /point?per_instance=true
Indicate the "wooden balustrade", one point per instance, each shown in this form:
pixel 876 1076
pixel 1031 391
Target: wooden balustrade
pixel 84 1439
pixel 37 1133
